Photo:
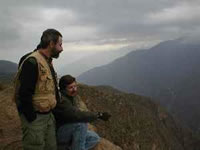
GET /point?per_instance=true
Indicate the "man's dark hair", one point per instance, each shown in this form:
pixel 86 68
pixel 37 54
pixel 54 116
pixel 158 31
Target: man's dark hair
pixel 38 47
pixel 65 81
pixel 48 36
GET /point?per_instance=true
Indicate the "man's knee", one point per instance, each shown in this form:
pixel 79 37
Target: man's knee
pixel 93 136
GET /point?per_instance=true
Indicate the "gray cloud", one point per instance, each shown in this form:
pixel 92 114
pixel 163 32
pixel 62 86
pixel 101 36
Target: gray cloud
pixel 96 21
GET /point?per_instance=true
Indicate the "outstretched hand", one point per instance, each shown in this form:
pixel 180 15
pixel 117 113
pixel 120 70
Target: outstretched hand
pixel 104 116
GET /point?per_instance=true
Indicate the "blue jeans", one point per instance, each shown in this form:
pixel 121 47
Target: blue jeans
pixel 77 136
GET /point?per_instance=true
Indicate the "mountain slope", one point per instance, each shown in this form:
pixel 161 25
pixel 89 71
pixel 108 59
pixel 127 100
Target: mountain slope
pixel 136 123
pixel 7 66
pixel 168 72
pixel 7 70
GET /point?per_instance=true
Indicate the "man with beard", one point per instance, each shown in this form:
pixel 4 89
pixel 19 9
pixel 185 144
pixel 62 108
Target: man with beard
pixel 72 118
pixel 36 93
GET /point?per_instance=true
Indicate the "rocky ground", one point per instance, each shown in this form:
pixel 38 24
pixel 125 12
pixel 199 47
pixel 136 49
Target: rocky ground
pixel 10 133
pixel 10 129
pixel 136 123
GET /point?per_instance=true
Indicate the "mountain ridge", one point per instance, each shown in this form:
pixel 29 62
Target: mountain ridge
pixel 88 62
pixel 168 72
pixel 7 66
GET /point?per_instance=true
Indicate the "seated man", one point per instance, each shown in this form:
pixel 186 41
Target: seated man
pixel 72 121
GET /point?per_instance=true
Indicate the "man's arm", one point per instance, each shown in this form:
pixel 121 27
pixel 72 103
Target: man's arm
pixel 28 79
pixel 67 113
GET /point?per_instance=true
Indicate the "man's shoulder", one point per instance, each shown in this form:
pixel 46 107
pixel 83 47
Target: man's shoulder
pixel 28 59
pixel 64 103
pixel 31 61
pixel 64 98
pixel 80 103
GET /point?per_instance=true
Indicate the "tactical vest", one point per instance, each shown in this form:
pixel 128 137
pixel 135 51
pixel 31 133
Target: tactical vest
pixel 44 97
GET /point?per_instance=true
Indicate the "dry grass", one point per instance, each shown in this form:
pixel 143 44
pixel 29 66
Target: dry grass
pixel 10 132
pixel 136 122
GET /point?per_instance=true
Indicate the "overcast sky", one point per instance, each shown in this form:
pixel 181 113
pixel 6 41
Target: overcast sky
pixel 94 25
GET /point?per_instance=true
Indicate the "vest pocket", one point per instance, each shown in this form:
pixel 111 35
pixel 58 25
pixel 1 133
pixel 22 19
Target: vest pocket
pixel 42 83
pixel 46 84
pixel 49 84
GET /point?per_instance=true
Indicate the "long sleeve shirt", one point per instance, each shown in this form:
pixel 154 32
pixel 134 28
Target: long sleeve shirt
pixel 67 111
pixel 28 78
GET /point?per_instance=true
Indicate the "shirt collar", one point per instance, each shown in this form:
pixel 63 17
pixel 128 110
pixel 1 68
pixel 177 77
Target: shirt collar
pixel 63 93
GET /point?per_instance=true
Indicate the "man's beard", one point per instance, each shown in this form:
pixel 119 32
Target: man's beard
pixel 54 53
pixel 73 93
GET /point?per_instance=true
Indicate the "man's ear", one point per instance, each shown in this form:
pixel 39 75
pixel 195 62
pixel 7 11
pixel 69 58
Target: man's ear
pixel 51 44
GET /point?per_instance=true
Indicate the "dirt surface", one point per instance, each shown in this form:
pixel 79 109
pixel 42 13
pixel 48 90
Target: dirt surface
pixel 10 131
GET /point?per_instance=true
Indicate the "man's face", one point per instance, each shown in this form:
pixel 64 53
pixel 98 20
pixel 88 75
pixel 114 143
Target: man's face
pixel 71 89
pixel 57 48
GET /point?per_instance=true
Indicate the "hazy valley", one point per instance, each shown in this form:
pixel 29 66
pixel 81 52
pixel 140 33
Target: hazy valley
pixel 168 73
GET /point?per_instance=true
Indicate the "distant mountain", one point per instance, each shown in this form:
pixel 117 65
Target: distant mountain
pixel 7 66
pixel 88 62
pixel 136 123
pixel 7 70
pixel 168 72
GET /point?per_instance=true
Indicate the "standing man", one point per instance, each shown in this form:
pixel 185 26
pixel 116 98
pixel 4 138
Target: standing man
pixel 72 120
pixel 36 93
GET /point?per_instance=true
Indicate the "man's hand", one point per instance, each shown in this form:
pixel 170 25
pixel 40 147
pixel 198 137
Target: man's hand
pixel 104 116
